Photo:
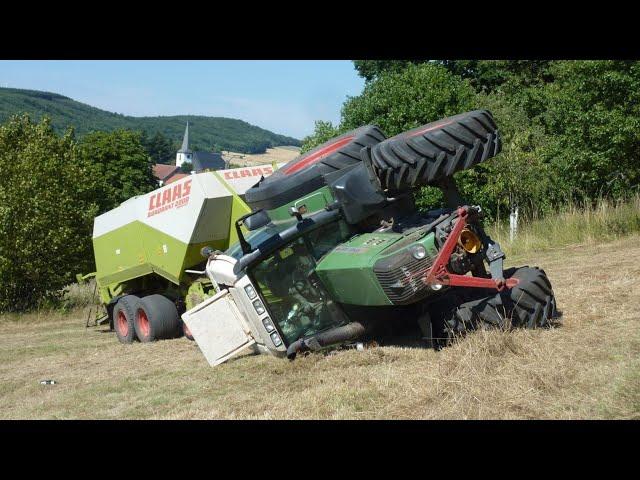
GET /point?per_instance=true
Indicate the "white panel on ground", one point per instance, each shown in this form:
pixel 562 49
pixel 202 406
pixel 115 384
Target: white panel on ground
pixel 218 328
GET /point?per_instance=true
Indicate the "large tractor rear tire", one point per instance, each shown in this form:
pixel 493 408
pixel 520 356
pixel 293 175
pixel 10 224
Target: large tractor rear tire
pixel 530 304
pixel 123 318
pixel 429 153
pixel 156 318
pixel 304 174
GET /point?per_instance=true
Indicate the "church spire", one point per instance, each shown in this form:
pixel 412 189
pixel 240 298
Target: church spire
pixel 185 141
pixel 184 154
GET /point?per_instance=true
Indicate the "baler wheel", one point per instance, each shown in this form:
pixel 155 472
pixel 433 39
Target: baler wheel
pixel 123 318
pixel 156 318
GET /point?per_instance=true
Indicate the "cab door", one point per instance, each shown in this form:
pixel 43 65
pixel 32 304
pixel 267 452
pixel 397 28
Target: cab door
pixel 219 328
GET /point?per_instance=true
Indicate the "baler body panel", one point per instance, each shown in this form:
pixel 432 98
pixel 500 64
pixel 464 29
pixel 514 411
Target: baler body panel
pixel 163 231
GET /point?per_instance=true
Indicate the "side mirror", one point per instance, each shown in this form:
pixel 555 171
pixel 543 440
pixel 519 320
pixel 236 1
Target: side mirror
pixel 257 220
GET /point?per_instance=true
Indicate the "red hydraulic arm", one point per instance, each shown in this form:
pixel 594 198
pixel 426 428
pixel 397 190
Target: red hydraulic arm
pixel 439 275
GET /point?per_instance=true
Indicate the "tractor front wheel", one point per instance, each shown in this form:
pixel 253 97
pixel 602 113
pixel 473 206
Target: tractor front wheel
pixel 530 304
pixel 156 318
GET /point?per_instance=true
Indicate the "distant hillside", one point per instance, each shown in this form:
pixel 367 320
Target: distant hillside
pixel 204 132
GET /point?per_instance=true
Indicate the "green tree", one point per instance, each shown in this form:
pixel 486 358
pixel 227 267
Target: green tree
pixel 522 174
pixel 398 101
pixel 484 75
pixel 49 195
pixel 372 69
pixel 186 167
pixel 593 116
pixel 158 147
pixel 322 132
pixel 123 164
pixel 570 129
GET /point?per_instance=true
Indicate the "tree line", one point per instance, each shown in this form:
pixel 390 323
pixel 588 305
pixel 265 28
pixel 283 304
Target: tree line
pixel 52 186
pixel 206 132
pixel 570 133
pixel 569 128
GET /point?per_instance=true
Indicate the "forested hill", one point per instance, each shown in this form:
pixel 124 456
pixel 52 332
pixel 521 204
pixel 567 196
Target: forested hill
pixel 205 132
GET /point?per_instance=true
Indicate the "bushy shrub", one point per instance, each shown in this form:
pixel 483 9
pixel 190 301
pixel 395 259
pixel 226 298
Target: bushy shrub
pixel 48 194
pixel 399 101
pixel 123 164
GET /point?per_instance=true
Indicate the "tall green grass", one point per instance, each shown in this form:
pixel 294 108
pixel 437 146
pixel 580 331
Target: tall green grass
pixel 572 225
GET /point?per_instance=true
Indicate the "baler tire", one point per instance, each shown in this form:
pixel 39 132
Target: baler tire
pixel 529 304
pixel 429 153
pixel 123 318
pixel 156 318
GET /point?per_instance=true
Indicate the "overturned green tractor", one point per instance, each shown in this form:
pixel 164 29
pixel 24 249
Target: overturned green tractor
pixel 338 253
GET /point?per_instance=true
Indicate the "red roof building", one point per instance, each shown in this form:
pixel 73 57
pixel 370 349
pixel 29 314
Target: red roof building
pixel 163 173
pixel 175 177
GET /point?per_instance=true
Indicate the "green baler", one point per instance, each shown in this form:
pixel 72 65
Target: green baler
pixel 146 248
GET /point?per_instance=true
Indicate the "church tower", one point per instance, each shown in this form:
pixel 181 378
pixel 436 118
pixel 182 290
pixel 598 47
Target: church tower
pixel 184 154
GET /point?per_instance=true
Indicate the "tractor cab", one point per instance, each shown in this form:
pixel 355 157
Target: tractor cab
pixel 291 290
pixel 270 277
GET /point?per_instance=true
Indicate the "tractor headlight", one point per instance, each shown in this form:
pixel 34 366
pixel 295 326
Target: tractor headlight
pixel 418 252
pixel 266 321
pixel 275 338
pixel 250 291
pixel 257 304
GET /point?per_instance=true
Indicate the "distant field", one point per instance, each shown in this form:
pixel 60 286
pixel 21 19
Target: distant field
pixel 589 367
pixel 277 154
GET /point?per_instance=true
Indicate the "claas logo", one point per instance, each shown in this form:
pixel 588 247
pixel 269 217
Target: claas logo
pixel 248 172
pixel 173 197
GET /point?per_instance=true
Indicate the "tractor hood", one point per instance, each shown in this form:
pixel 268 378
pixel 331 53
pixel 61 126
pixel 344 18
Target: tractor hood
pixel 357 272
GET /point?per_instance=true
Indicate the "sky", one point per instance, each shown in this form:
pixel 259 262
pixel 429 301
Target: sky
pixel 284 96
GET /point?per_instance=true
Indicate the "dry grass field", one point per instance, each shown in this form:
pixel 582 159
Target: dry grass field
pixel 276 154
pixel 588 367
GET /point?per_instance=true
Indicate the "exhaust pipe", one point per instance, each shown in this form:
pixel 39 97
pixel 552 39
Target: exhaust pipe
pixel 345 333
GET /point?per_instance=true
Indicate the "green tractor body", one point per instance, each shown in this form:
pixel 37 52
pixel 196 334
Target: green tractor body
pixel 337 251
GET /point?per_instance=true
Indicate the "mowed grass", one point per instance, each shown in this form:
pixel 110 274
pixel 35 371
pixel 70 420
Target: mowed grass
pixel 589 367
